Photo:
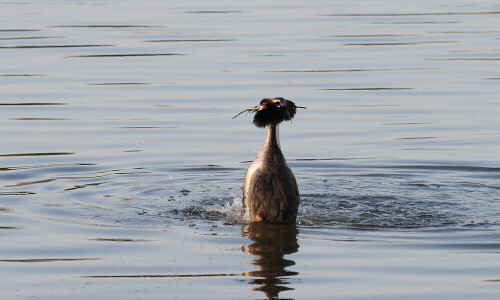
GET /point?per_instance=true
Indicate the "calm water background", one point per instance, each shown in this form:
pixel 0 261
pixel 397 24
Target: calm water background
pixel 121 169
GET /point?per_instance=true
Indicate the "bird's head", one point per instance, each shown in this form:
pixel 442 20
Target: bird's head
pixel 272 111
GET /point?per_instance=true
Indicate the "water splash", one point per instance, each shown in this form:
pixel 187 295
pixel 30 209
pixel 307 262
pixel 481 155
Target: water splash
pixel 227 210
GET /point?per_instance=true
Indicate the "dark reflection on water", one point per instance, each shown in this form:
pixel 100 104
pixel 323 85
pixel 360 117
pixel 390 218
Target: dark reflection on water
pixel 105 26
pixel 350 70
pixel 21 75
pixel 213 12
pixel 32 103
pixel 126 55
pixel 399 43
pixel 367 89
pixel 414 14
pixel 52 46
pixel 37 154
pixel 18 30
pixel 190 40
pixel 30 38
pixel 270 242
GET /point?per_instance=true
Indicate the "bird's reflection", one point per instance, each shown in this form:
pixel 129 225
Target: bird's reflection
pixel 270 242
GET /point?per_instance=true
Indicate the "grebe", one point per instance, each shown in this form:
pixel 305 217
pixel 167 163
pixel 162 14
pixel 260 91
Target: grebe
pixel 270 192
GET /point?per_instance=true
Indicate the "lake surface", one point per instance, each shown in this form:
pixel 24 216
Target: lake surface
pixel 121 169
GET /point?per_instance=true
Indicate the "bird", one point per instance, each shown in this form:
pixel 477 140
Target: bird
pixel 270 191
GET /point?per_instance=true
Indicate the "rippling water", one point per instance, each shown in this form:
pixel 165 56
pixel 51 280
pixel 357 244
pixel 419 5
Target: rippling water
pixel 121 168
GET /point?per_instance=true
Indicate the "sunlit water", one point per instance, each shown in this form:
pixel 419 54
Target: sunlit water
pixel 121 168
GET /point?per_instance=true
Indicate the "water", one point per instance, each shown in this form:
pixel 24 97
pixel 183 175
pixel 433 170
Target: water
pixel 121 169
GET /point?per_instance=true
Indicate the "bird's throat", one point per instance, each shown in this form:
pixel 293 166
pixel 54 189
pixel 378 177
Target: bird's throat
pixel 273 139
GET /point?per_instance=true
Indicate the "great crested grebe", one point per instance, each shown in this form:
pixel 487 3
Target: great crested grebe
pixel 270 192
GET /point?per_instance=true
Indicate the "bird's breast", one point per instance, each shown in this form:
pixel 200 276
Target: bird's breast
pixel 256 164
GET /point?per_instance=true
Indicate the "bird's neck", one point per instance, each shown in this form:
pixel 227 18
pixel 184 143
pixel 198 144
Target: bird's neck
pixel 270 154
pixel 273 139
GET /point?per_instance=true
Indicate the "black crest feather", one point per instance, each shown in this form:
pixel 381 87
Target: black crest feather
pixel 272 111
